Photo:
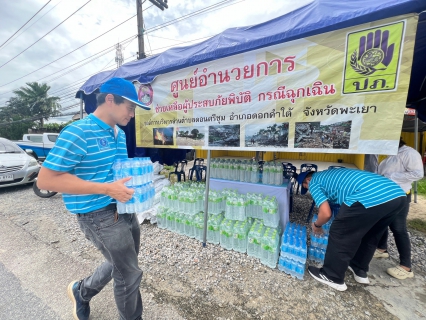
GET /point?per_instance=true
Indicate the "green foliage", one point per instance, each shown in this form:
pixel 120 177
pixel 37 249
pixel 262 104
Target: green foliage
pixel 55 127
pixel 417 224
pixel 28 109
pixel 421 187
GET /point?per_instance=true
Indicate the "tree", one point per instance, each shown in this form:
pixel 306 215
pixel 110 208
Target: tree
pixel 30 106
pixel 35 99
pixel 194 133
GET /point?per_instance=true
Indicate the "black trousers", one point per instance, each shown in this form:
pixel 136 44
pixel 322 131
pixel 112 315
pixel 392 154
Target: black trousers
pixel 400 234
pixel 354 236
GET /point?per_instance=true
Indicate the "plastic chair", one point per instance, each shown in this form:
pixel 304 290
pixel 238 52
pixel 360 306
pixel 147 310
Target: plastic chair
pixel 179 170
pixel 306 167
pixel 199 169
pixel 197 162
pixel 286 164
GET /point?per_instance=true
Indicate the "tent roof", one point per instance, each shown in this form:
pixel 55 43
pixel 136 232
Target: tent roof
pixel 315 18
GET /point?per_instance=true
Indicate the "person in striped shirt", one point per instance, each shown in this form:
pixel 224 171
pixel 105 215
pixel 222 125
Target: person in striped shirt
pixel 369 203
pixel 80 166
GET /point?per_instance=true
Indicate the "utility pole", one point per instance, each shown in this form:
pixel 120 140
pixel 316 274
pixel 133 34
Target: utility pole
pixel 141 53
pixel 119 55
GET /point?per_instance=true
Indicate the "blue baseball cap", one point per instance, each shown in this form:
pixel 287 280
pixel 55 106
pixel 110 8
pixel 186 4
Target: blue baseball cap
pixel 300 179
pixel 124 89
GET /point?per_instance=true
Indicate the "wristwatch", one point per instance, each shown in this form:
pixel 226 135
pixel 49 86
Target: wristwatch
pixel 316 225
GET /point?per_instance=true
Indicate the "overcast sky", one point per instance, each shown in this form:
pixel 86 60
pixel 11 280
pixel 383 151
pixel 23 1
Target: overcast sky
pixel 97 17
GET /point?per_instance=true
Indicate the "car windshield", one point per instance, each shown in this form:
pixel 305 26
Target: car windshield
pixel 7 146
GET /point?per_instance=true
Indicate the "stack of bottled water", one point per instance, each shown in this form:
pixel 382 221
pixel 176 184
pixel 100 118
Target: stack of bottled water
pixel 272 173
pixel 293 251
pixel 142 172
pixel 181 211
pixel 319 243
pixel 237 170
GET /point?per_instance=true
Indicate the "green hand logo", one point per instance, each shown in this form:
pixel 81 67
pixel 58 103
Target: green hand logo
pixel 373 49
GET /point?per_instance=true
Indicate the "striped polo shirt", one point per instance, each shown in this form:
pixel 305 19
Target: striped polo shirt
pixel 349 186
pixel 87 149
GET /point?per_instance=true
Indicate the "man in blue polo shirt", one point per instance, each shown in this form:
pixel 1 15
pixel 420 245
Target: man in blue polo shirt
pixel 369 203
pixel 80 166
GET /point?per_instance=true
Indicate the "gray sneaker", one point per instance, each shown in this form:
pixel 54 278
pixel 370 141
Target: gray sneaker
pixel 81 309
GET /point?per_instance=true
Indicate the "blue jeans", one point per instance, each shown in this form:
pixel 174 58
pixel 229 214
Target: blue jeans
pixel 118 240
pixel 402 239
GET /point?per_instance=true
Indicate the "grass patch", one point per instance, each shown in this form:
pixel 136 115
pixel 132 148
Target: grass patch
pixel 417 224
pixel 421 187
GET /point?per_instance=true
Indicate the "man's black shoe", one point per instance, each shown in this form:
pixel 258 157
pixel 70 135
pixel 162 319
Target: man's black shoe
pixel 81 309
pixel 319 275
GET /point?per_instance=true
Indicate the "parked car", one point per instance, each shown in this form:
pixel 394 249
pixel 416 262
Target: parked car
pixel 40 143
pixel 16 166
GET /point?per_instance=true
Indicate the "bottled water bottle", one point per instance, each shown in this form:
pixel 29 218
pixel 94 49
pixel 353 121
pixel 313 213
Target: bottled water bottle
pixel 213 168
pixel 240 209
pixel 161 215
pixel 254 173
pixel 170 223
pixel 253 241
pixel 179 222
pixel 213 228
pixel 294 253
pixel 242 171
pixel 199 226
pixel 265 174
pixel 249 167
pixel 136 171
pixel 239 241
pixel 189 225
pixel 126 170
pixel 269 247
pixel 117 169
pixel 226 232
pixel 271 217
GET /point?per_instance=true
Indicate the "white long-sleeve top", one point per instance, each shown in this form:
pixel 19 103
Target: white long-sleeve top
pixel 403 168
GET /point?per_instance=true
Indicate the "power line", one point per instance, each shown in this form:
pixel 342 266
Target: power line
pixel 31 25
pixel 44 35
pixel 209 8
pixel 68 52
pixel 25 23
pixel 189 15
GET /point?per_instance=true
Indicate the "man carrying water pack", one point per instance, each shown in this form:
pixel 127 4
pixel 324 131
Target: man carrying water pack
pixel 80 166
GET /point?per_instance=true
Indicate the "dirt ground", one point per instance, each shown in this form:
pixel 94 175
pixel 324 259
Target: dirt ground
pixel 418 210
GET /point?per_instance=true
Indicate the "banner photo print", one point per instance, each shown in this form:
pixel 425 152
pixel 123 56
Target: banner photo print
pixel 343 91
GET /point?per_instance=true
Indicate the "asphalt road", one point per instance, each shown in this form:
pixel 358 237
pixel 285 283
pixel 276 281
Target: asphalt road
pixel 17 302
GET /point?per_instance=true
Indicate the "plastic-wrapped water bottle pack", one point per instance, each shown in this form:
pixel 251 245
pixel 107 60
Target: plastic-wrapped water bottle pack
pixel 319 243
pixel 293 251
pixel 141 172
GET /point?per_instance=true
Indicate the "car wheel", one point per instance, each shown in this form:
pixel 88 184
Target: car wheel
pixel 42 193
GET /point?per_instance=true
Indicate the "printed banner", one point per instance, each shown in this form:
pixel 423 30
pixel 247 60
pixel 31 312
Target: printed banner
pixel 343 91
